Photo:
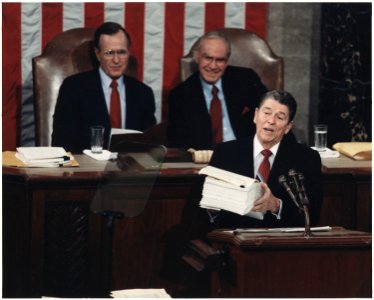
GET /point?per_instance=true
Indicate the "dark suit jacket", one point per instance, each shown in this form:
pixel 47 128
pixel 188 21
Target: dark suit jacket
pixel 237 156
pixel 189 119
pixel 81 103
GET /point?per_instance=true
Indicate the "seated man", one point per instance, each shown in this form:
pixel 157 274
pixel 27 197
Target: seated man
pixel 216 103
pixel 104 96
pixel 273 119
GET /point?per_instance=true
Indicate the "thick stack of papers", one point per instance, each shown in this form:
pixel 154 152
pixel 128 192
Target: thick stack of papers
pixel 140 293
pixel 230 191
pixel 355 150
pixel 44 157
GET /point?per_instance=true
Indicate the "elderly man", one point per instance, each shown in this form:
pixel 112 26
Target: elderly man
pixel 215 104
pixel 104 96
pixel 268 155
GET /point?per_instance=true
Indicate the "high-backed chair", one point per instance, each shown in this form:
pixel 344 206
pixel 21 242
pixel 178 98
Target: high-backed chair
pixel 247 50
pixel 68 53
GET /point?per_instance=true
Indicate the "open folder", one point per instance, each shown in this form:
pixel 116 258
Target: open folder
pixel 224 190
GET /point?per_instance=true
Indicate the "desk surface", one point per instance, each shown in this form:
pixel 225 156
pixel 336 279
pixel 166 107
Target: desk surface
pixel 344 164
pixel 336 237
pixel 93 168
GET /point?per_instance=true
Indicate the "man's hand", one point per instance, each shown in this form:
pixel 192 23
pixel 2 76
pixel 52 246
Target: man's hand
pixel 268 202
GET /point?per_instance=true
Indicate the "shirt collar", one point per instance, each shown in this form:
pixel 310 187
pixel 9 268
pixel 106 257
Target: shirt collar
pixel 106 80
pixel 257 147
pixel 207 87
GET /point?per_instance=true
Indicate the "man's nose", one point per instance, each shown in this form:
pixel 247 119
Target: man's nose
pixel 115 57
pixel 271 119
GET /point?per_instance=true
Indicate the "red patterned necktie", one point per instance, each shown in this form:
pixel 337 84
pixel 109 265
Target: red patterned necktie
pixel 264 168
pixel 216 117
pixel 115 106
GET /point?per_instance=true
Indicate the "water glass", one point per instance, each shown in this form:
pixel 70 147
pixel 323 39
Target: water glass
pixel 97 139
pixel 320 137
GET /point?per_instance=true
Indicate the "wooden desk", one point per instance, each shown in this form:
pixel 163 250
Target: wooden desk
pixel 347 193
pixel 53 245
pixel 333 264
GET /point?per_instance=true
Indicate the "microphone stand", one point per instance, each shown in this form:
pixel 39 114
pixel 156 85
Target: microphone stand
pixel 296 190
pixel 307 231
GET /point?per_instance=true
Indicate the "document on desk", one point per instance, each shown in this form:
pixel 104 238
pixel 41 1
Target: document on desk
pixel 44 156
pixel 140 293
pixel 277 230
pixel 229 191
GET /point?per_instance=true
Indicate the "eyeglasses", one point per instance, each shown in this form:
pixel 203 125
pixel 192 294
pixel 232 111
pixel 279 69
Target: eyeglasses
pixel 219 60
pixel 121 53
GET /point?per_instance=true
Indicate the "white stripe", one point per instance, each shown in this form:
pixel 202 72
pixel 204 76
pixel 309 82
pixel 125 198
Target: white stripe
pixel 193 24
pixel 114 12
pixel 235 15
pixel 73 15
pixel 30 47
pixel 154 50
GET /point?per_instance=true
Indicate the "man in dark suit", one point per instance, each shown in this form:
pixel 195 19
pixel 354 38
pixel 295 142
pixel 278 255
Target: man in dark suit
pixel 104 96
pixel 239 89
pixel 273 119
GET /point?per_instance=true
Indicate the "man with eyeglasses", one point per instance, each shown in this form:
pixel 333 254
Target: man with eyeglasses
pixel 216 103
pixel 105 96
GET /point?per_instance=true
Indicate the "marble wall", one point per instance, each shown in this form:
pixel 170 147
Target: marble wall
pixel 293 33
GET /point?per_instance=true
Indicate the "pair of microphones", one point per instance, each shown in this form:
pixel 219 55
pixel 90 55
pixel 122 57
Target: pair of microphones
pixel 295 187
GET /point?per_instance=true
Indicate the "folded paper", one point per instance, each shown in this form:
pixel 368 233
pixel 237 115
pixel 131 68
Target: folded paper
pixel 355 150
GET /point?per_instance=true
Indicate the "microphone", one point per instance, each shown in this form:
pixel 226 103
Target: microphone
pixel 304 200
pixel 293 174
pixel 283 182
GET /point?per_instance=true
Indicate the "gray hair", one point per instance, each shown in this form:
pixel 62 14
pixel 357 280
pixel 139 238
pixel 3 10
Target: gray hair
pixel 210 36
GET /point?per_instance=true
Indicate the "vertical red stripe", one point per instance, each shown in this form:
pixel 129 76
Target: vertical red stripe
pixel 12 96
pixel 51 21
pixel 134 24
pixel 93 14
pixel 173 48
pixel 214 16
pixel 256 17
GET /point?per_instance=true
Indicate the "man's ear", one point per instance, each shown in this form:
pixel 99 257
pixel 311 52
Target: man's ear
pixel 289 126
pixel 255 116
pixel 97 54
pixel 196 56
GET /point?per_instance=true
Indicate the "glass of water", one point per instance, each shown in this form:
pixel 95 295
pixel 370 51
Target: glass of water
pixel 97 139
pixel 320 137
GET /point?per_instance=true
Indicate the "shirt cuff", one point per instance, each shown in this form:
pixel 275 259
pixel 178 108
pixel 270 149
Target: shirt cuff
pixel 278 215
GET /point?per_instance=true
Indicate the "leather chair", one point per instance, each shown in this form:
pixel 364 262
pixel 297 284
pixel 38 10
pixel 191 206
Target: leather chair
pixel 247 50
pixel 68 53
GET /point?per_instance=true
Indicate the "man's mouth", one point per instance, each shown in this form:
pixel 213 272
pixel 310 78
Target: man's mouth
pixel 268 130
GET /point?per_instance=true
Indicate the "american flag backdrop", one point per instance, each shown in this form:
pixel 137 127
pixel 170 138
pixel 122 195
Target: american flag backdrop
pixel 161 33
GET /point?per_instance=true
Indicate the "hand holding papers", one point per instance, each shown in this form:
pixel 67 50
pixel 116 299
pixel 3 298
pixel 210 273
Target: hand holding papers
pixel 230 191
pixel 44 156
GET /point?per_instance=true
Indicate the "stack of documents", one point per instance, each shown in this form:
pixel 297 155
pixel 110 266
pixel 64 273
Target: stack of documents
pixel 45 157
pixel 230 191
pixel 140 293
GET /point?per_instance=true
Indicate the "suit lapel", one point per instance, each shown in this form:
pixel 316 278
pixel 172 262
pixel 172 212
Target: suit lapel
pixel 281 163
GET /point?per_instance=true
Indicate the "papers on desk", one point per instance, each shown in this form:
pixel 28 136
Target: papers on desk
pixel 276 230
pixel 328 153
pixel 230 191
pixel 44 157
pixel 104 155
pixel 140 293
pixel 355 150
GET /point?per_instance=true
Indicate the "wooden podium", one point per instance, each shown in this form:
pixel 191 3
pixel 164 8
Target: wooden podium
pixel 334 263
